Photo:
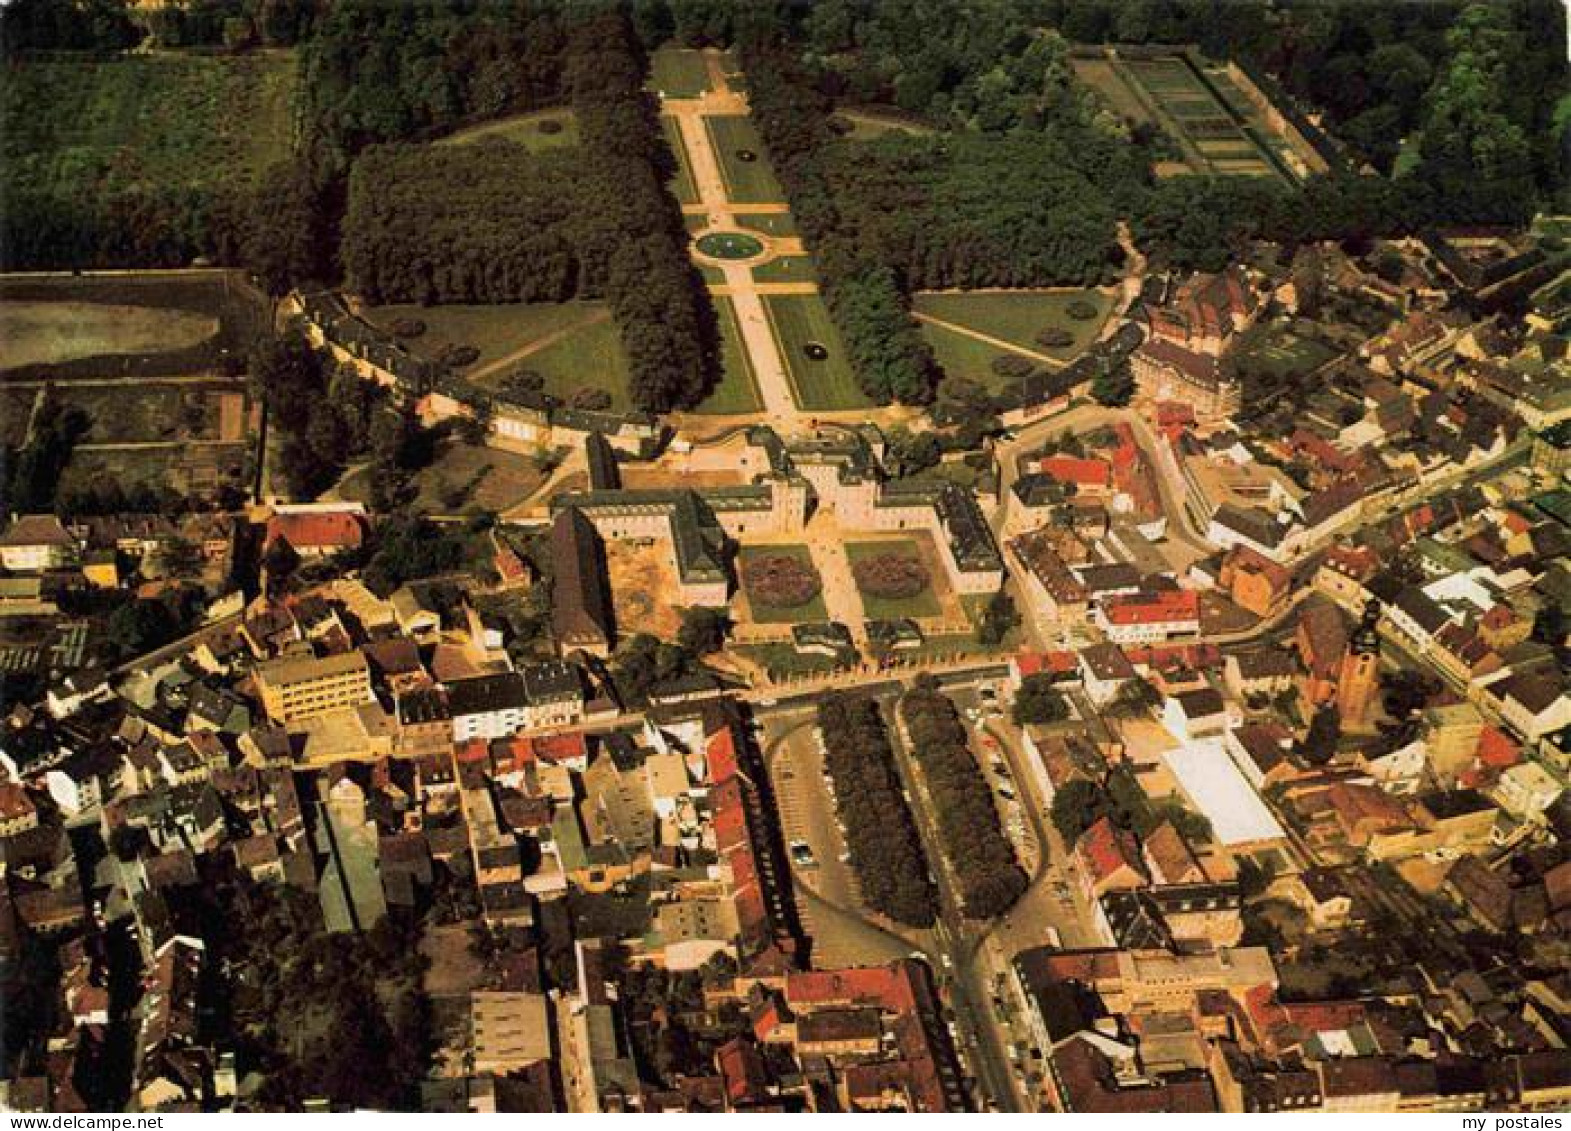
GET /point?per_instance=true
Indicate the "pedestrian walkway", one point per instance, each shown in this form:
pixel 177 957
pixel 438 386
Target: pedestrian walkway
pixel 758 336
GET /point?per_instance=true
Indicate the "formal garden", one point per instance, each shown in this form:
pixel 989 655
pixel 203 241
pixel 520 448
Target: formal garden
pixel 893 580
pixel 782 585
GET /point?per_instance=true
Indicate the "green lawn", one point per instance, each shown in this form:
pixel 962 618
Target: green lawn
pixel 866 125
pixel 747 182
pixel 496 331
pixel 827 384
pixel 587 358
pixel 1283 353
pixel 770 223
pixel 682 184
pixel 679 73
pixel 464 479
pixel 1018 316
pixel 924 604
pixel 785 660
pixel 737 391
pixel 524 130
pixel 787 269
pixel 87 127
pixel 962 356
pixel 814 610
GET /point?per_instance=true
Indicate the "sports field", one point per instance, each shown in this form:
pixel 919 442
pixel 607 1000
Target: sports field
pixel 746 181
pixel 534 132
pixel 801 322
pixel 737 391
pixel 677 72
pixel 1017 317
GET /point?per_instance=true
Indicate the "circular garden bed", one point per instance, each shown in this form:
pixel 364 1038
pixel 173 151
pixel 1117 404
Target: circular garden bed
pixel 780 580
pixel 730 245
pixel 892 577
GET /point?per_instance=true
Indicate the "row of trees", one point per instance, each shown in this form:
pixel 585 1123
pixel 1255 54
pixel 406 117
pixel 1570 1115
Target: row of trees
pixel 881 836
pixel 891 359
pixel 990 877
pixel 492 223
pixel 633 237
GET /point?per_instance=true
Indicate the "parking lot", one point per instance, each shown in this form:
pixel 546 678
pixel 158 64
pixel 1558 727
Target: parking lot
pixel 828 898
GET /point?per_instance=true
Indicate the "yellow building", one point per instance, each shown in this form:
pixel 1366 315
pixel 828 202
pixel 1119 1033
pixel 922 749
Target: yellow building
pixel 296 688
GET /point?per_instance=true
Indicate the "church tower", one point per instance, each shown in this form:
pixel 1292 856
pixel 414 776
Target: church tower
pixel 1359 678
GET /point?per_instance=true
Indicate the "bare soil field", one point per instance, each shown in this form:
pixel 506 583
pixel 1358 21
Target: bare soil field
pixel 641 580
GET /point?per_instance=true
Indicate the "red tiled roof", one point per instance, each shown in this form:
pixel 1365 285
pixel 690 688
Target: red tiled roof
pixel 1055 663
pixel 1081 472
pixel 1106 849
pixel 1497 749
pixel 721 756
pixel 325 530
pixel 1153 608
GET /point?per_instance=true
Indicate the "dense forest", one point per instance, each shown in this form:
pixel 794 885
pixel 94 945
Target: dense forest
pixel 483 223
pixel 1448 112
pixel 1473 87
pixel 881 837
pixel 631 227
pixel 982 858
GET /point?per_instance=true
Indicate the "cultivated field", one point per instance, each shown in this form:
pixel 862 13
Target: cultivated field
pixel 16 407
pixel 679 73
pixel 1217 129
pixel 463 479
pixel 867 123
pixel 146 414
pixel 747 182
pixel 801 321
pixel 155 324
pixel 532 131
pixel 48 333
pixel 88 127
